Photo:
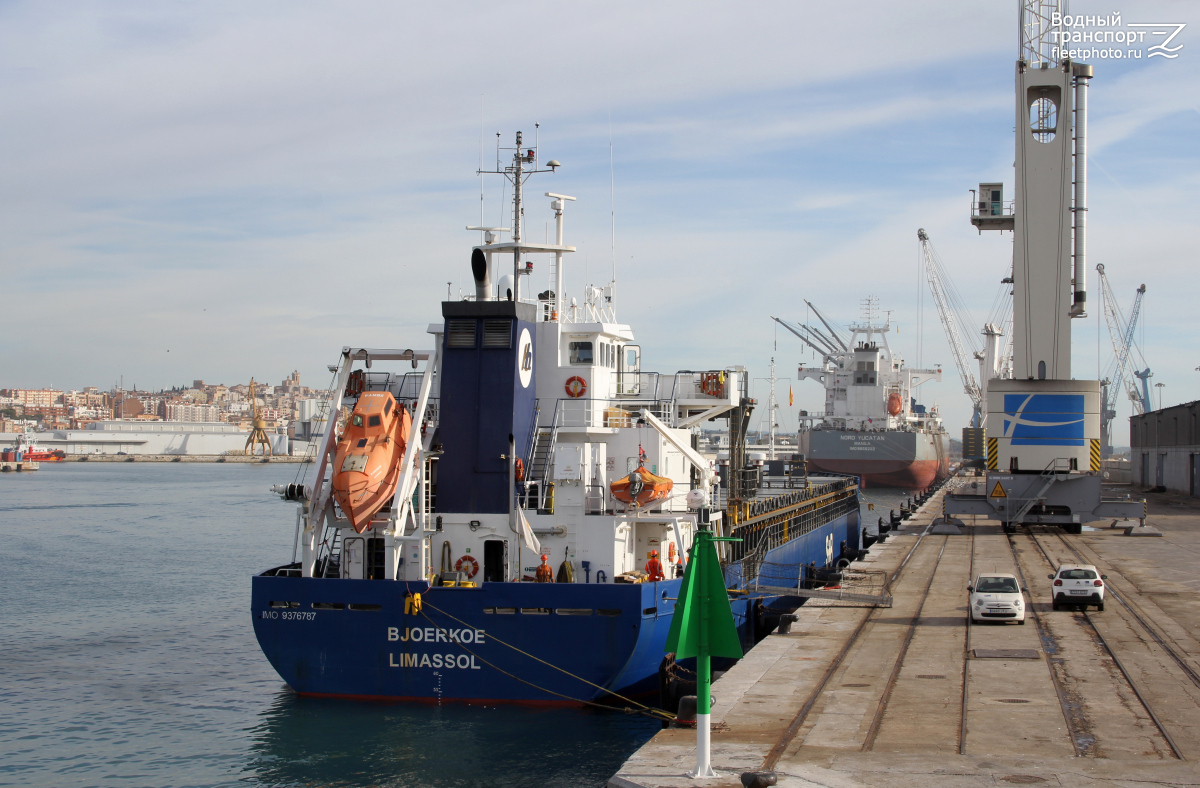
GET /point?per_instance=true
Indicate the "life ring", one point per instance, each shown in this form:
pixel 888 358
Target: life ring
pixel 356 383
pixel 713 383
pixel 576 387
pixel 467 560
pixel 520 469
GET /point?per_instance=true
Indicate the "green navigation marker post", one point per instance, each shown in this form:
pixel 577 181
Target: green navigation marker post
pixel 703 627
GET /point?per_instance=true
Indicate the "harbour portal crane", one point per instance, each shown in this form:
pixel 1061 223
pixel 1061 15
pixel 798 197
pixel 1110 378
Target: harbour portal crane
pixel 258 429
pixel 1122 373
pixel 1043 461
pixel 935 274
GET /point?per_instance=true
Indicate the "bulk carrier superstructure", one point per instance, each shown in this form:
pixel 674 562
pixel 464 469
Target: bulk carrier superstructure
pixel 525 409
pixel 872 426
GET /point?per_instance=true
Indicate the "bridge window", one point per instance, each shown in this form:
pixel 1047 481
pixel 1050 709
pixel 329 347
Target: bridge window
pixel 579 353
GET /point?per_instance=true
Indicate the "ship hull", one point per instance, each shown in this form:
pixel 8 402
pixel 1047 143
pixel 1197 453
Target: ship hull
pixel 881 459
pixel 500 642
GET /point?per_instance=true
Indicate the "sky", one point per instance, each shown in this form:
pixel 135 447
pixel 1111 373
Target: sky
pixel 224 190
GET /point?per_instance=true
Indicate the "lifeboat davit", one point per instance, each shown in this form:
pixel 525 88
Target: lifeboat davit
pixel 366 466
pixel 641 487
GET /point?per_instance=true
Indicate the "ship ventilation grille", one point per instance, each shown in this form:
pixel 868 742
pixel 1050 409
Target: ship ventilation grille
pixel 460 333
pixel 497 333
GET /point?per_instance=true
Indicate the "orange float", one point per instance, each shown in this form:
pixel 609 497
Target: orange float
pixel 356 383
pixel 576 387
pixel 366 465
pixel 712 383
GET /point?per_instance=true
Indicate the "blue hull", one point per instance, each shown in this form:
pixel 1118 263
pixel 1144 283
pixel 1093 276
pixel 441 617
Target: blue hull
pixel 512 642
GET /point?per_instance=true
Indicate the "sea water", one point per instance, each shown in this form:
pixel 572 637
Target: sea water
pixel 876 502
pixel 128 658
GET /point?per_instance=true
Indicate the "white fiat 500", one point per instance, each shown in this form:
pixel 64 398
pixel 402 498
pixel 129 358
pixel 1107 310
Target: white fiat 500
pixel 1078 584
pixel 997 597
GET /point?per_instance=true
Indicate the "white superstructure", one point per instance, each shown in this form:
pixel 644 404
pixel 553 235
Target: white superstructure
pixel 867 385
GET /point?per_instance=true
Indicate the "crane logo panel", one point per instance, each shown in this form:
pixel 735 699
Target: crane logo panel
pixel 1044 419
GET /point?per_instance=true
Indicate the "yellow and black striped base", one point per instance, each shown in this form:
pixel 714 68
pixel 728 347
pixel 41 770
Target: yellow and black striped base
pixel 1095 454
pixel 993 453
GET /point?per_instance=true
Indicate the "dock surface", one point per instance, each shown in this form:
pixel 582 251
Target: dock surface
pixel 914 695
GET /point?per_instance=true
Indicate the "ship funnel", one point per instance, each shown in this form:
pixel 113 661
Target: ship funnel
pixel 483 282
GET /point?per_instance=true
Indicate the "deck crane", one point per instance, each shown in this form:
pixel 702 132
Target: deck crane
pixel 1121 334
pixel 934 273
pixel 817 343
pixel 826 346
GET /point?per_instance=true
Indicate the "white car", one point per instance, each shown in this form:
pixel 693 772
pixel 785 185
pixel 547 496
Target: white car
pixel 997 597
pixel 1079 585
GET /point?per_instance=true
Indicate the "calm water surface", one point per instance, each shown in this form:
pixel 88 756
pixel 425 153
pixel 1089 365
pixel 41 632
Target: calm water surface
pixel 127 655
pixel 876 502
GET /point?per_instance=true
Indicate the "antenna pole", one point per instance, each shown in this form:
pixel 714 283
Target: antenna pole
pixel 612 206
pixel 518 172
pixel 773 406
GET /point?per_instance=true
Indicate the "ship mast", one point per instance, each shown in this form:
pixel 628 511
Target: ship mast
pixel 517 173
pixel 773 406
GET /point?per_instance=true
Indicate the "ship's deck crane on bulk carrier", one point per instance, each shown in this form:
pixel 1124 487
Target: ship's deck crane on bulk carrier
pixel 1043 442
pixel 1121 372
pixel 951 317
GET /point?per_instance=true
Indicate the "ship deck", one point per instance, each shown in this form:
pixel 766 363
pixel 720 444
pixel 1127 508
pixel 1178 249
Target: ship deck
pixel 773 486
pixel 914 696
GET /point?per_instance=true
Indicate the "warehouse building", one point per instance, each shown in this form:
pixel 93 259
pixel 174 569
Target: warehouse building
pixel 1165 448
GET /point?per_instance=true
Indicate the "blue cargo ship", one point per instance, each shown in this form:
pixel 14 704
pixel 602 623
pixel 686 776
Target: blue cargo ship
pixel 526 408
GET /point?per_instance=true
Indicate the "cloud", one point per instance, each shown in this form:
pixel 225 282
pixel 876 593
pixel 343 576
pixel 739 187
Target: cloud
pixel 253 186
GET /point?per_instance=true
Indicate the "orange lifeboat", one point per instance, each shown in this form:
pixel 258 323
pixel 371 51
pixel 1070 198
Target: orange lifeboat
pixel 641 488
pixel 366 466
pixel 895 404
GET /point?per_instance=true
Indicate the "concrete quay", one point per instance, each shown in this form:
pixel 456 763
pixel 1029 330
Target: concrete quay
pixel 913 695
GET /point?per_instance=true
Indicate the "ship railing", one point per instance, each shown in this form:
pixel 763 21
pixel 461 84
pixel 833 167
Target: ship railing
pixel 410 385
pixel 591 412
pixel 531 438
pixel 707 384
pixel 684 384
pixel 638 384
pixel 776 518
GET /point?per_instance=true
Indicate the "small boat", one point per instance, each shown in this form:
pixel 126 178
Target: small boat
pixel 641 488
pixel 27 450
pixel 367 463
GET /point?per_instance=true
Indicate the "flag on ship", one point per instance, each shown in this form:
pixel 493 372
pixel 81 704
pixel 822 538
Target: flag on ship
pixel 527 533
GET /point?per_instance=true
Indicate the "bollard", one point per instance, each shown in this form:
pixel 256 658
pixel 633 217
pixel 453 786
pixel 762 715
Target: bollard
pixel 759 779
pixel 686 715
pixel 786 621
